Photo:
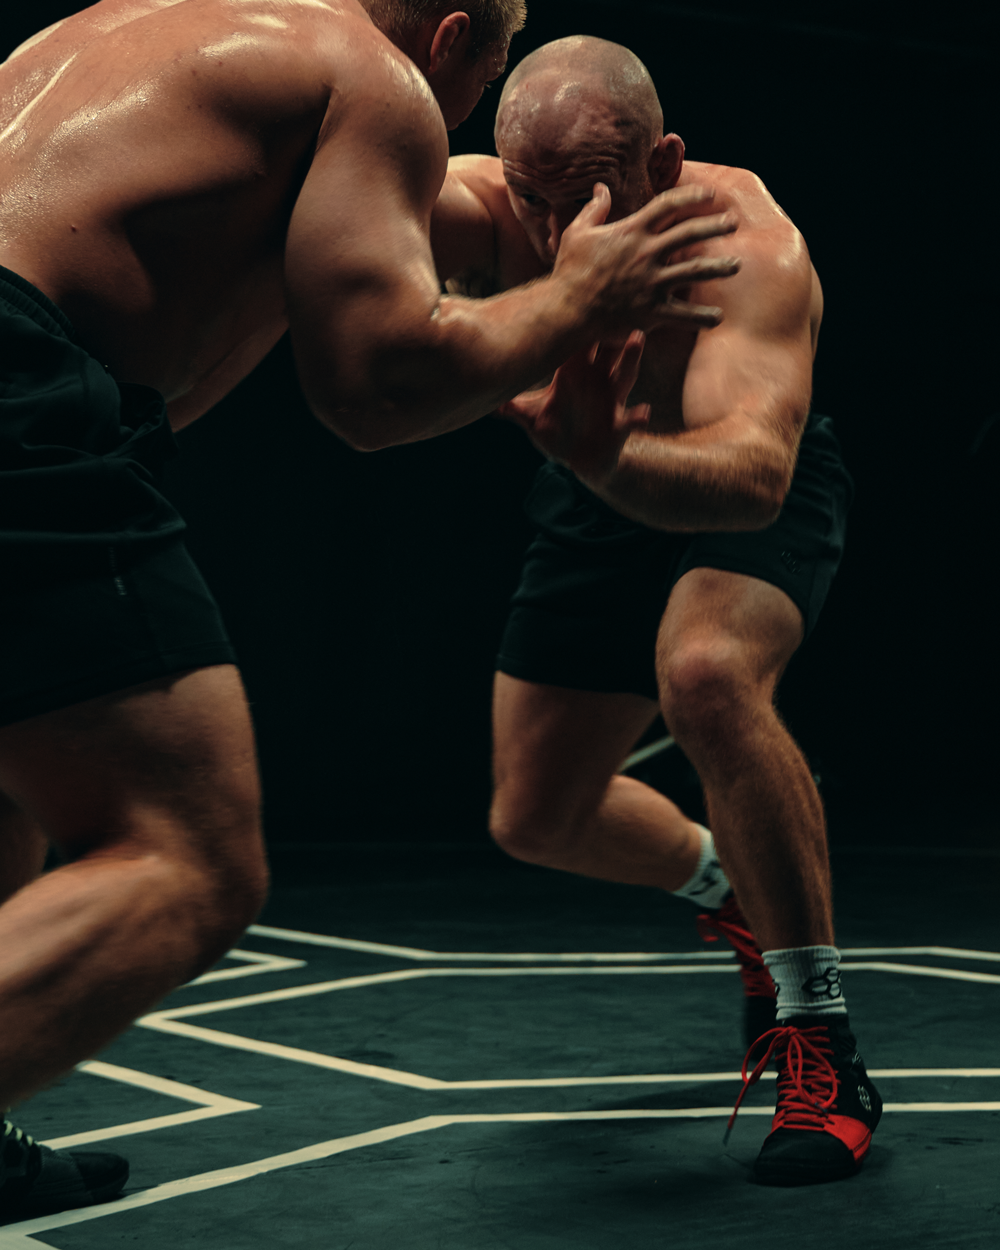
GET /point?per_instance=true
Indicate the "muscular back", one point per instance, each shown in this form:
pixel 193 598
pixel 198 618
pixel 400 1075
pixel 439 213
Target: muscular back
pixel 150 157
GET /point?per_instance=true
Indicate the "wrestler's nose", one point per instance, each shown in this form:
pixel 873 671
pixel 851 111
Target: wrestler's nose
pixel 557 227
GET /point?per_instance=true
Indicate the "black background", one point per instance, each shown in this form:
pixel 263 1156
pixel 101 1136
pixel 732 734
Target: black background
pixel 366 593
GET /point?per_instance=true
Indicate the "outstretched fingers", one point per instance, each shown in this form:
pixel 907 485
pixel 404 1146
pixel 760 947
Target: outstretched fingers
pixel 698 269
pixel 696 230
pixel 677 204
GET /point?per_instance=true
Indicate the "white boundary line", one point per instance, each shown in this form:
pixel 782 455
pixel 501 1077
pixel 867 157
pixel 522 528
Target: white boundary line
pixel 416 953
pixel 415 1080
pixel 254 963
pixel 21 1236
pixel 646 752
pixel 506 957
pixel 209 1105
pixel 420 974
pixel 170 1021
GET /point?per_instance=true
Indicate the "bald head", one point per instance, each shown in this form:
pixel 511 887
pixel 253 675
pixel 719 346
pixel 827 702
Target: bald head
pixel 581 89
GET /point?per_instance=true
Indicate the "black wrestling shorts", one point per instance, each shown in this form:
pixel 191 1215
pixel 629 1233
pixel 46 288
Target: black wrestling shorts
pixel 97 591
pixel 73 630
pixel 595 585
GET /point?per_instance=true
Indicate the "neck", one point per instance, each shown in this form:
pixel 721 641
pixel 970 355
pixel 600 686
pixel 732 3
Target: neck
pixel 381 13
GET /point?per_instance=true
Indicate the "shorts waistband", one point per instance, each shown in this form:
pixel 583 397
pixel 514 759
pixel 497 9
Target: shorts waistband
pixel 28 299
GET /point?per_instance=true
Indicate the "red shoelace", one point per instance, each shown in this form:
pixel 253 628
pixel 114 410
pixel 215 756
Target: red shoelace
pixel 807 1088
pixel 729 922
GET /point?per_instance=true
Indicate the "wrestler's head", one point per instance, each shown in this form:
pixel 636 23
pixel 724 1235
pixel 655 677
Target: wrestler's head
pixel 459 50
pixel 575 112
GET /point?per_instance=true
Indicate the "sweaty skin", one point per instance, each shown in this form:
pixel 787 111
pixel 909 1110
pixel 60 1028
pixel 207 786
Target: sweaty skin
pixel 726 404
pixel 186 179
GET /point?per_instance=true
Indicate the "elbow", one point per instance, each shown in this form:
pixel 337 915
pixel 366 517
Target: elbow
pixel 764 509
pixel 762 505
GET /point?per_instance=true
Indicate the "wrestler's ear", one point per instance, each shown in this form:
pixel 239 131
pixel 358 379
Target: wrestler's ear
pixel 447 38
pixel 666 162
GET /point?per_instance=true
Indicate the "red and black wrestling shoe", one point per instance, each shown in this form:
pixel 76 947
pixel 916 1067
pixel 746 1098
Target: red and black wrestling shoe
pixel 827 1106
pixel 759 996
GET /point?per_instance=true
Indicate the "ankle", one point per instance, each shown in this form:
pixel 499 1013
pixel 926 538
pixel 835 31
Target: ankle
pixel 807 980
pixel 708 885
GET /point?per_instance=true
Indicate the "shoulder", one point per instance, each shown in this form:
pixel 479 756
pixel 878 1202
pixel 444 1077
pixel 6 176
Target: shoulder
pixel 481 176
pixel 283 61
pixel 380 114
pixel 467 221
pixel 776 278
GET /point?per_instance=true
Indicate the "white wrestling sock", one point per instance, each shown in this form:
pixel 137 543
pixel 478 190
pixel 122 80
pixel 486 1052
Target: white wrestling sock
pixel 708 885
pixel 807 979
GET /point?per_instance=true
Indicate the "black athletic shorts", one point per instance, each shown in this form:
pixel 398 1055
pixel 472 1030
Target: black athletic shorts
pixel 595 585
pixel 97 591
pixel 73 630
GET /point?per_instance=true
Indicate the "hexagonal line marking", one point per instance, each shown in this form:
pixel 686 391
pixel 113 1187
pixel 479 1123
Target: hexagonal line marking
pixel 416 953
pixel 171 1020
pixel 415 1080
pixel 253 964
pixel 418 974
pixel 506 957
pixel 21 1236
pixel 209 1105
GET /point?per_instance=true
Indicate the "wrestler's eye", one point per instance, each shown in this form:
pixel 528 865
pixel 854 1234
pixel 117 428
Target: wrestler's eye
pixel 531 201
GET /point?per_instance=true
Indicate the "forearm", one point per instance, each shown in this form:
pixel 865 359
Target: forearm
pixel 720 477
pixel 453 366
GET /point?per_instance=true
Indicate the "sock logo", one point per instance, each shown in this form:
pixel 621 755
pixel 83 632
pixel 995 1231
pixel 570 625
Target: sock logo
pixel 712 874
pixel 863 1098
pixel 826 985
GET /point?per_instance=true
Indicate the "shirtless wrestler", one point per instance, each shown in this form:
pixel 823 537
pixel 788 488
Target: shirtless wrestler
pixel 180 182
pixel 683 554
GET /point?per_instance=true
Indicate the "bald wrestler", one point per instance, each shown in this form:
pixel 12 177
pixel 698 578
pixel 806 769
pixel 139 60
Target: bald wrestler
pixel 180 183
pixel 685 548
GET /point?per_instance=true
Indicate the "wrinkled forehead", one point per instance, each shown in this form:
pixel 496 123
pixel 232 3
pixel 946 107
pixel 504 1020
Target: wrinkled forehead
pixel 549 129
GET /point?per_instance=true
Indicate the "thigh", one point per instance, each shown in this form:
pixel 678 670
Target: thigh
pixel 730 624
pixel 556 748
pixel 591 594
pixel 166 766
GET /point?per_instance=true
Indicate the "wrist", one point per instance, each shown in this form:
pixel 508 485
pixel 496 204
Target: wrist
pixel 577 305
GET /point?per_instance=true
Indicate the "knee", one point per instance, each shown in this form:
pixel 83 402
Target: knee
pixel 705 689
pixel 233 890
pixel 530 831
pixel 214 891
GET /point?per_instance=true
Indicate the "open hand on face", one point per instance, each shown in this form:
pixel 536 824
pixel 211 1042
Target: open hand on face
pixel 581 418
pixel 626 272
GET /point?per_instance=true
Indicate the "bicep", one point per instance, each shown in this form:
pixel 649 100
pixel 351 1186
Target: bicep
pixel 755 369
pixel 358 266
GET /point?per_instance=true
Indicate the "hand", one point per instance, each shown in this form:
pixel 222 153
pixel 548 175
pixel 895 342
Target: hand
pixel 581 418
pixel 621 272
